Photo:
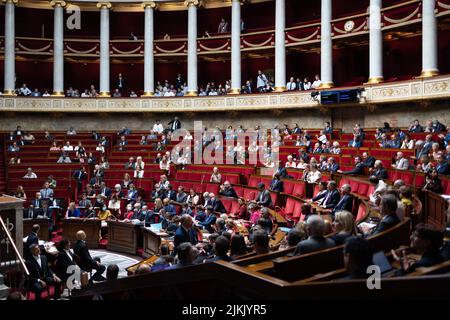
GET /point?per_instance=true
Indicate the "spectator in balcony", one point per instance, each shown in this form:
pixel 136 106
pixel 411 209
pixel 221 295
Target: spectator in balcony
pixel 116 93
pixel 14 147
pixel 261 82
pixel 133 94
pixel 307 84
pixel 158 127
pixel 174 124
pixel 70 92
pixel 401 162
pixel 316 84
pixel 71 132
pixel 247 88
pixel 20 193
pixel 64 158
pixel 48 136
pixel 416 127
pixel 299 86
pixel 223 26
pixel 46 94
pixel 100 148
pixel 216 176
pixel 30 174
pixel 93 92
pixel 357 170
pixel 54 147
pixel 36 93
pixel 67 147
pixel 335 149
pixel 15 160
pixel 24 91
pixel 291 85
pixel 85 94
pixel 442 166
pixel 133 38
pixel 28 138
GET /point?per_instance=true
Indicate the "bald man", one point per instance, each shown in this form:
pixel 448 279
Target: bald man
pixel 86 262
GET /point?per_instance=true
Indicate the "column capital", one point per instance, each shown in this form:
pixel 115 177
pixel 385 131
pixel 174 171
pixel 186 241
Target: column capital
pixel 55 3
pixel 189 3
pixel 240 1
pixel 11 1
pixel 149 4
pixel 101 5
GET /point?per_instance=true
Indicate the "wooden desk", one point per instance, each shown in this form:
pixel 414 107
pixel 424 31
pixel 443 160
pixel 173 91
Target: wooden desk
pixel 124 237
pixel 152 243
pixel 43 223
pixel 90 226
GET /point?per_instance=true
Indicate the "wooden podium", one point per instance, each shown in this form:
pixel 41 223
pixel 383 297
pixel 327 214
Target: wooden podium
pixel 152 243
pixel 11 211
pixel 44 230
pixel 124 237
pixel 90 226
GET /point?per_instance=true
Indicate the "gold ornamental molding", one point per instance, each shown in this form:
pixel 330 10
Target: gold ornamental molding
pixel 55 3
pixel 101 5
pixel 416 90
pixel 11 1
pixel 195 3
pixel 149 4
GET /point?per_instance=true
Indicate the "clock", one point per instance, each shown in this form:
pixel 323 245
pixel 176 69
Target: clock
pixel 349 26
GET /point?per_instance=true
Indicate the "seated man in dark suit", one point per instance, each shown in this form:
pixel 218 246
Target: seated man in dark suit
pixel 186 255
pixel 260 240
pixel 33 238
pixel 276 184
pixel 64 259
pixel 227 190
pixel 181 196
pixel 281 171
pixel 221 247
pixel 163 193
pixel 331 197
pixel 358 169
pixel 357 257
pixel 185 232
pixel 217 205
pixel 316 241
pixel 210 220
pixel 442 166
pixel 388 211
pixel 263 198
pixel 104 190
pixel 40 274
pixel 86 262
pixel 96 181
pixel 378 170
pixel 346 201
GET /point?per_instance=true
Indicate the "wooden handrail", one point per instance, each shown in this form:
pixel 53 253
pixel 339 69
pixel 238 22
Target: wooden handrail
pixel 11 240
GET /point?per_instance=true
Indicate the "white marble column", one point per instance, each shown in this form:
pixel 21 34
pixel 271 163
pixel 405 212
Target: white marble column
pixel 149 59
pixel 192 46
pixel 104 48
pixel 326 46
pixel 429 40
pixel 58 47
pixel 280 46
pixel 375 43
pixel 236 81
pixel 9 68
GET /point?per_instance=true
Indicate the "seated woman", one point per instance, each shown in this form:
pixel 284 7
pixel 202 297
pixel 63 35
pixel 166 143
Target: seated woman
pixel 313 175
pixel 242 213
pixel 72 211
pixel 126 181
pixel 192 198
pixel 139 171
pixel 114 205
pixel 424 164
pixel 164 164
pixel 425 241
pixel 158 205
pixel 238 247
pixel 290 163
pixel 343 226
pixel 54 147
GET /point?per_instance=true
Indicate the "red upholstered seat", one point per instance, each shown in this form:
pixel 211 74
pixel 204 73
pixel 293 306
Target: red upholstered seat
pixel 297 209
pixel 370 190
pixel 211 187
pixel 299 189
pixel 227 204
pixel 288 186
pixel 354 185
pixel 274 196
pixel 234 206
pixel 362 210
pixel 407 176
pixel 250 194
pixel 316 190
pixel 253 181
pixel 239 190
pixel 419 180
pixel 362 189
pixel 290 206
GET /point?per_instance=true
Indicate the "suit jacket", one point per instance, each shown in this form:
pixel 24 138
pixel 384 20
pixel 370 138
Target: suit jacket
pixel 63 261
pixel 443 168
pixel 277 185
pixel 106 192
pixel 345 203
pixel 80 175
pixel 425 149
pixel 175 124
pixel 46 193
pixel 381 173
pixel 171 194
pixel 282 172
pixel 402 164
pixel 332 168
pixel 95 180
pixel 358 169
pixel 312 244
pixel 386 223
pixel 181 236
pixel 333 199
pixel 218 206
pixel 209 222
pixel 37 272
pixel 265 198
pixel 181 197
pixel 228 193
pixel 86 262
pixel 369 162
pixel 32 239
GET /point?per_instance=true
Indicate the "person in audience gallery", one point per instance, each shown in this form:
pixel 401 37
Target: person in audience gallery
pixel 316 241
pixel 30 174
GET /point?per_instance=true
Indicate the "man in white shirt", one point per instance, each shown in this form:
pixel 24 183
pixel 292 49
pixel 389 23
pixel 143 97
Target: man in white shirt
pixel 24 91
pixel 401 163
pixel 316 84
pixel 158 127
pixel 67 147
pixel 291 85
pixel 30 174
pixel 261 81
pixel 169 93
pixel 85 94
